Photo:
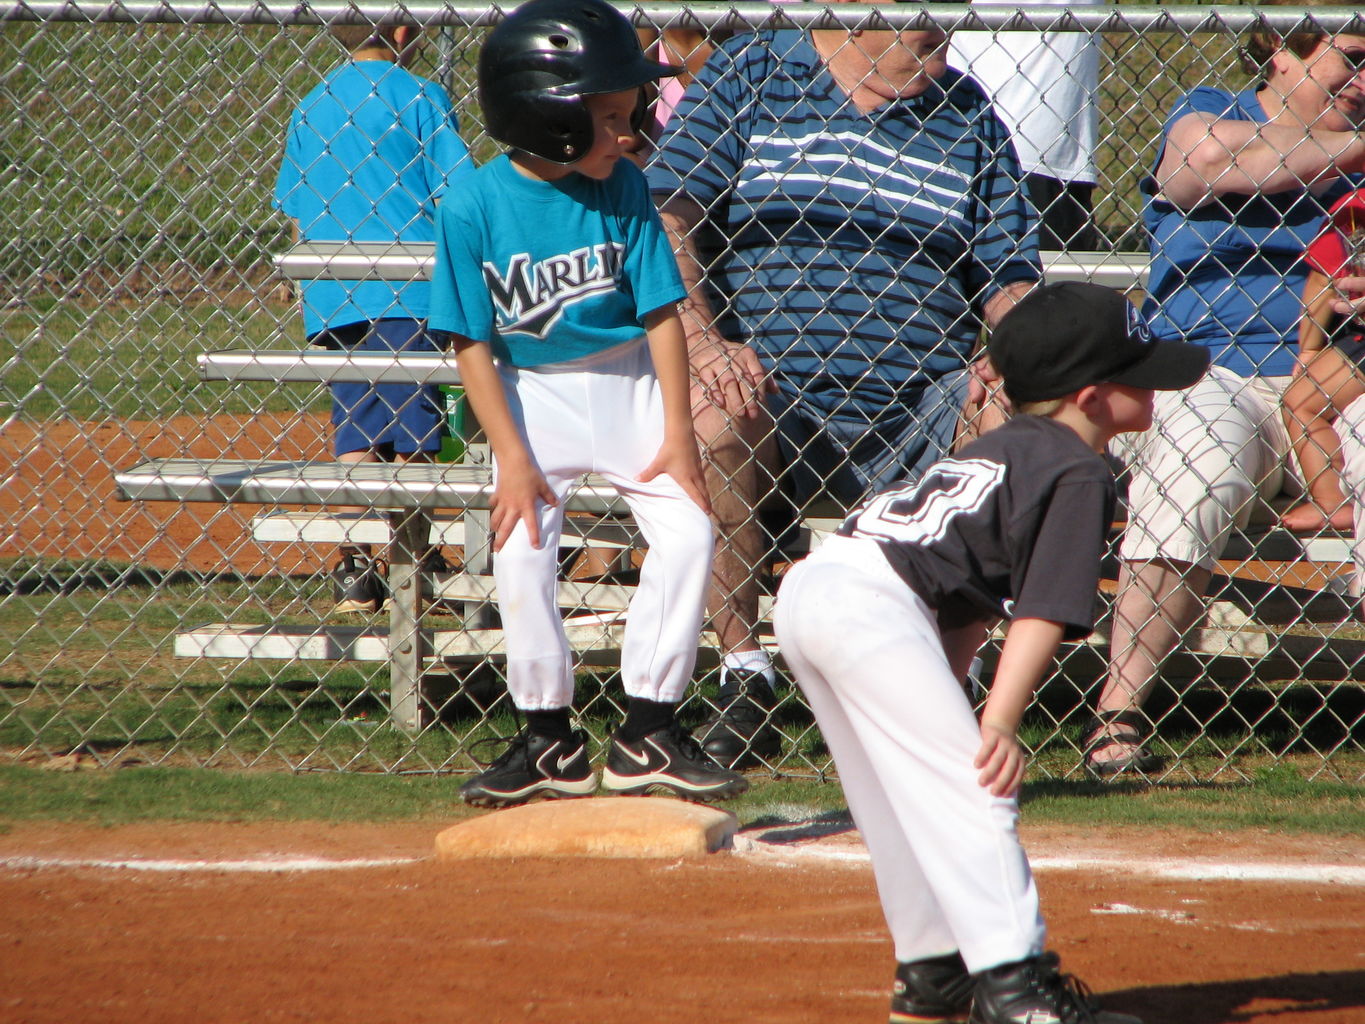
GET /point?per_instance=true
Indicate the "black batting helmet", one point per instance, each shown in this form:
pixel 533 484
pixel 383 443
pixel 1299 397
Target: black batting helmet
pixel 540 62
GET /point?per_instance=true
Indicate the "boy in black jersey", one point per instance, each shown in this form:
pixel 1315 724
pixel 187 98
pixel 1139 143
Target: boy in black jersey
pixel 880 624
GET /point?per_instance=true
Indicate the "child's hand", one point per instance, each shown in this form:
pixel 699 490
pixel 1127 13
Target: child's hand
pixel 679 459
pixel 520 490
pixel 984 384
pixel 1001 761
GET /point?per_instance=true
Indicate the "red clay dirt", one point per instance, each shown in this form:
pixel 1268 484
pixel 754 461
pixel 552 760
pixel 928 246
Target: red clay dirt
pixel 725 938
pixel 59 499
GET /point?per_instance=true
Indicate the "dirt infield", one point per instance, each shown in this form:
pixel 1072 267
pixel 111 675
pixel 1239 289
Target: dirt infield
pixel 790 933
pixel 59 499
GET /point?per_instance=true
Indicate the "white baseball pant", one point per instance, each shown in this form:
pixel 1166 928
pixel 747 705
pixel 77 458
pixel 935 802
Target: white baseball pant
pixel 866 651
pixel 602 414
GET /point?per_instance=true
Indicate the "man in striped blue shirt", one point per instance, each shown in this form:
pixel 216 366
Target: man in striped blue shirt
pixel 847 212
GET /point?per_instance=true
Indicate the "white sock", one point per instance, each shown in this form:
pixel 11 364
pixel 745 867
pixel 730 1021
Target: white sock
pixel 748 661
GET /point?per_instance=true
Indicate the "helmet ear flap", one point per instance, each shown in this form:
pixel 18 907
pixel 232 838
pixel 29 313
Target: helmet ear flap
pixel 554 128
pixel 565 129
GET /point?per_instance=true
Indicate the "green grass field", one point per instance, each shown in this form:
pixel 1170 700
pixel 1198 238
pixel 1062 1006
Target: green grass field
pixel 1276 800
pixel 86 665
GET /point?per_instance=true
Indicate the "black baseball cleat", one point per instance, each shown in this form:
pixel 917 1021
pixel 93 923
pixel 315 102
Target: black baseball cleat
pixel 357 585
pixel 937 990
pixel 741 731
pixel 435 570
pixel 668 760
pixel 533 766
pixel 1035 991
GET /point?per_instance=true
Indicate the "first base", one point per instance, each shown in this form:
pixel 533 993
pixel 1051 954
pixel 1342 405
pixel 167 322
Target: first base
pixel 597 827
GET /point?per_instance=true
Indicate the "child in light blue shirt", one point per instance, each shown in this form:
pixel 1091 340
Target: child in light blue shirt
pixel 368 153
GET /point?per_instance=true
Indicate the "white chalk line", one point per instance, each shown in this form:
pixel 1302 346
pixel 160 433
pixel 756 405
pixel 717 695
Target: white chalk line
pixel 1167 869
pixel 268 864
pixel 844 854
pixel 1210 871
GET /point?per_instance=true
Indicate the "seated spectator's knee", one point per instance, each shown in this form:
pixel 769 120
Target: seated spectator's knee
pixel 715 428
pixel 730 442
pixel 1351 423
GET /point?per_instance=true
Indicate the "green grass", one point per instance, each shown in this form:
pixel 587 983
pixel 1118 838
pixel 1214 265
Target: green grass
pixel 1277 800
pixel 90 360
pixel 87 664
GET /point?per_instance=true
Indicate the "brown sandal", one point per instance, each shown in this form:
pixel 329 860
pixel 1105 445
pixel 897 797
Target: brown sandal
pixel 1129 735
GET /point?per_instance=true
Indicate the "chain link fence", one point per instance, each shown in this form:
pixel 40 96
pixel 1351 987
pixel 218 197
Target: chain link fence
pixel 137 231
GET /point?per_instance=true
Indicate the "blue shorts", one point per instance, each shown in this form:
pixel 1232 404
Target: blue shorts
pixel 392 418
pixel 850 457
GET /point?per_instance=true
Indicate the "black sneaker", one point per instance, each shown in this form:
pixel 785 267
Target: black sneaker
pixel 741 731
pixel 933 991
pixel 357 585
pixel 1035 991
pixel 668 760
pixel 533 766
pixel 435 571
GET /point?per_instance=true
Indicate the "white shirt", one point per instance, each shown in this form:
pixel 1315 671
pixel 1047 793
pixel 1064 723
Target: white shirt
pixel 1045 87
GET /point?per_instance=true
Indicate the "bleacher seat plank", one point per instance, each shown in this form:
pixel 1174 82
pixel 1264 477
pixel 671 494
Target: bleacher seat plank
pixel 322 527
pixel 1126 271
pixel 357 261
pixel 384 485
pixel 328 642
pixel 319 365
pixel 414 261
pixel 571 593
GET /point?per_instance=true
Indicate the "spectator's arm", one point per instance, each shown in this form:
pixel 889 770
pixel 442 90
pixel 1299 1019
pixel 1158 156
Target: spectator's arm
pixel 1205 157
pixel 1005 263
pixel 1004 300
pixel 984 386
pixel 730 374
pixel 682 219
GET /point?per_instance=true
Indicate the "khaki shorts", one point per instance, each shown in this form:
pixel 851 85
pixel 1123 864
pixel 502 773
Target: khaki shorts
pixel 1216 454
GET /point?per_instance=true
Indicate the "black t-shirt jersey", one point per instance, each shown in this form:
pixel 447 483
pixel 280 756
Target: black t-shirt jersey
pixel 1013 526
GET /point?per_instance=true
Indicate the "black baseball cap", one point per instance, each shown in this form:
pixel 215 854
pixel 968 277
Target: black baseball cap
pixel 1065 336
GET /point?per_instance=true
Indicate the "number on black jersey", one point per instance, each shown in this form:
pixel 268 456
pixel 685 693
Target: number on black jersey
pixel 920 513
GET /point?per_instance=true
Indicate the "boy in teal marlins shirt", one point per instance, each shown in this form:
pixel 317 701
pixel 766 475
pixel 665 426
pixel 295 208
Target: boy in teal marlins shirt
pixel 558 287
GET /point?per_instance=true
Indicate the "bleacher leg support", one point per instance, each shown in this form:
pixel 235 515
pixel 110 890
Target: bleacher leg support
pixel 410 531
